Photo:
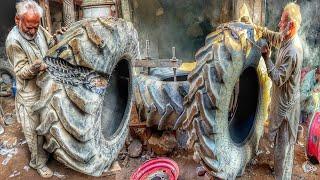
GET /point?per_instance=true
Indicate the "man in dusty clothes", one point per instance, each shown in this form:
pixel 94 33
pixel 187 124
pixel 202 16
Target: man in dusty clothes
pixel 285 74
pixel 26 45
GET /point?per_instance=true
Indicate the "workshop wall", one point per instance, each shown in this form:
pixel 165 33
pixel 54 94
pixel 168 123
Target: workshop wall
pixel 7 13
pixel 184 24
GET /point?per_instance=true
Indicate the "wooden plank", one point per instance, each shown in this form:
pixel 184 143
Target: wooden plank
pixel 46 17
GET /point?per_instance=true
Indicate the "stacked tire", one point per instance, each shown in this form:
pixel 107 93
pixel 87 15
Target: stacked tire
pixel 159 99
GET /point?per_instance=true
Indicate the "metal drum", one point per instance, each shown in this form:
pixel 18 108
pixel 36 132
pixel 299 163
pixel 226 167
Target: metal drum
pixel 313 139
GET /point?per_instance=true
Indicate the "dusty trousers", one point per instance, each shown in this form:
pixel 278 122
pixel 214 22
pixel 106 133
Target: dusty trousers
pixel 283 152
pixel 29 124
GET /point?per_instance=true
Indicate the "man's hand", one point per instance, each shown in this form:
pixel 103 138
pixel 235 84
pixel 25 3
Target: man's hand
pixel 58 33
pixel 38 66
pixel 265 52
pixel 61 31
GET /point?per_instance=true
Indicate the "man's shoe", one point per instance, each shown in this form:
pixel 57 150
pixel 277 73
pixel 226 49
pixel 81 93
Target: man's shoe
pixel 45 172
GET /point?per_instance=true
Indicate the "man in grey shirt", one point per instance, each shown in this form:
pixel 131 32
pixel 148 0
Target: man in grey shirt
pixel 285 75
pixel 26 45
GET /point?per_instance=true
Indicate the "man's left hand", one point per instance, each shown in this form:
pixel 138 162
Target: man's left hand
pixel 59 32
pixel 43 67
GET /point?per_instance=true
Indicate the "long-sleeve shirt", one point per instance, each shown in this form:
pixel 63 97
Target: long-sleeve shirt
pixel 285 75
pixel 21 54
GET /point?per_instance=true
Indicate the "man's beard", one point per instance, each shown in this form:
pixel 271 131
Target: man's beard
pixel 26 36
pixel 284 33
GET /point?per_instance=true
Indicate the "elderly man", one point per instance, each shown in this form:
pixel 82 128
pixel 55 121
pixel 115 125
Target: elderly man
pixel 285 75
pixel 309 87
pixel 26 45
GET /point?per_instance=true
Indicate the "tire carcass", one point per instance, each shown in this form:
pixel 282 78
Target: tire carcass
pixel 7 78
pixel 86 94
pixel 226 104
pixel 159 99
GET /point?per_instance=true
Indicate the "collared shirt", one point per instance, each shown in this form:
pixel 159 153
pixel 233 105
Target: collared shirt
pixel 21 54
pixel 285 75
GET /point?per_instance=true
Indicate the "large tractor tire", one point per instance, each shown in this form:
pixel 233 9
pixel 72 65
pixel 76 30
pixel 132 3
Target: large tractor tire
pixel 159 99
pixel 86 94
pixel 225 107
pixel 8 78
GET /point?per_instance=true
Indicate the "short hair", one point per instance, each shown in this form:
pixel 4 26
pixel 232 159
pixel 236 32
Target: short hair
pixel 294 14
pixel 27 5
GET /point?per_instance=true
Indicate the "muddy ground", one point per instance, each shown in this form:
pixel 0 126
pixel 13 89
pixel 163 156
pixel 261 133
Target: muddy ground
pixel 17 167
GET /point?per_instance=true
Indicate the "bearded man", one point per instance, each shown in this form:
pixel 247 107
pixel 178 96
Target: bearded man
pixel 26 45
pixel 285 75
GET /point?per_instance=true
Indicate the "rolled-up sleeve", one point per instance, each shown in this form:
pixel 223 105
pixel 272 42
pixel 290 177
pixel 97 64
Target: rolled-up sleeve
pixel 274 38
pixel 280 75
pixel 20 62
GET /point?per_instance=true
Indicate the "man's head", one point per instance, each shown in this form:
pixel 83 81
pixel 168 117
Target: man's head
pixel 28 18
pixel 290 20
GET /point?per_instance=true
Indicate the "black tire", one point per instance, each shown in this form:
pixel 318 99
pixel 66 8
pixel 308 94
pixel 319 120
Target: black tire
pixel 159 100
pixel 6 73
pixel 227 66
pixel 84 129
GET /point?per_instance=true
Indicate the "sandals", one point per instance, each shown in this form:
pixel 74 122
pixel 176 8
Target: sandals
pixel 45 172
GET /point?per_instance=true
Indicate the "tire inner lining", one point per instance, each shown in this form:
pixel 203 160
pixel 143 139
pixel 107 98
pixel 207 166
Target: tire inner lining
pixel 241 125
pixel 116 102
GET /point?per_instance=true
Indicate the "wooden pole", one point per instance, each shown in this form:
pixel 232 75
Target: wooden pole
pixel 46 19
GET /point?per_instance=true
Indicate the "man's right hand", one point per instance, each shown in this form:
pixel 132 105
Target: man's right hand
pixel 38 66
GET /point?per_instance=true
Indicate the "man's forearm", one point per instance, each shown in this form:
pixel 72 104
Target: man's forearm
pixel 273 72
pixel 274 38
pixel 27 72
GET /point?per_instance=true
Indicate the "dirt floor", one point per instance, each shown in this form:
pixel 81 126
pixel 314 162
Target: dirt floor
pixel 17 167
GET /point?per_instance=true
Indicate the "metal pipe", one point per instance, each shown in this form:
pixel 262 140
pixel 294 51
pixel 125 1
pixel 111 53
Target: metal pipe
pixel 174 59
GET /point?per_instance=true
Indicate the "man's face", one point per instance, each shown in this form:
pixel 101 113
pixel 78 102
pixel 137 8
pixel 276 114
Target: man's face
pixel 284 22
pixel 28 24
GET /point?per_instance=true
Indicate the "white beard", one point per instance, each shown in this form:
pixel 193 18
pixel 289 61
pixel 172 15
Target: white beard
pixel 27 37
pixel 285 32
